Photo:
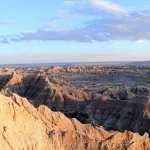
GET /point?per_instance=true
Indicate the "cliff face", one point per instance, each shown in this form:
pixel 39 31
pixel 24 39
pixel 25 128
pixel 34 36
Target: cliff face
pixel 119 115
pixel 24 127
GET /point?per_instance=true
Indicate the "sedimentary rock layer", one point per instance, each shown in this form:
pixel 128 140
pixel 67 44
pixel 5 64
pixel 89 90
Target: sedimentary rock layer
pixel 25 127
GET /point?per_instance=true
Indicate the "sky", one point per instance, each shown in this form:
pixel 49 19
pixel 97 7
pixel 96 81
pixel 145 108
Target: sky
pixel 35 31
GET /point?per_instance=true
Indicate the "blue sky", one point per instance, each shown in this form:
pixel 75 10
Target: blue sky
pixel 74 31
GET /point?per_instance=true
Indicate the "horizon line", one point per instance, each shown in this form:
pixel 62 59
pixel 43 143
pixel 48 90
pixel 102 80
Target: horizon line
pixel 30 63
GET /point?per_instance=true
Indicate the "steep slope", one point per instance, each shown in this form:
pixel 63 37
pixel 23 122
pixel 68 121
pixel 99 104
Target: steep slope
pixel 131 93
pixel 126 141
pixel 113 114
pixel 13 82
pixel 119 115
pixel 23 127
pixel 39 90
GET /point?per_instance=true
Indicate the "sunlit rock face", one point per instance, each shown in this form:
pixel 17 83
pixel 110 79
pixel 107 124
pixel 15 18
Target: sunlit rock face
pixel 25 127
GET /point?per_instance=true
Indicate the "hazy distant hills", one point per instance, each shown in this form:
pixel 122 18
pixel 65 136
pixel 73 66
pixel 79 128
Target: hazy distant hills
pixel 140 63
pixel 77 63
pixel 30 65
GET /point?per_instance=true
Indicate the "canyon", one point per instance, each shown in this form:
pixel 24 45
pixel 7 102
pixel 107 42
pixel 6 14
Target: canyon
pixel 75 108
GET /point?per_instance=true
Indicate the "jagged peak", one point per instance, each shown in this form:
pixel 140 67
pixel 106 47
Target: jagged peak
pixel 15 78
pixel 49 84
pixel 24 126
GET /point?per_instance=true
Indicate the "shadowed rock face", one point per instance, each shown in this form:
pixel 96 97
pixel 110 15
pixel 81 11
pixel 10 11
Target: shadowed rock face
pixel 112 114
pixel 29 128
pixel 119 115
pixel 39 90
pixel 132 93
pixel 4 79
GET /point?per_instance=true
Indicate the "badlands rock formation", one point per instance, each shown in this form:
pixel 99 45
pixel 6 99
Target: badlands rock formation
pixel 119 115
pixel 126 141
pixel 115 115
pixel 129 93
pixel 39 90
pixel 114 108
pixel 24 127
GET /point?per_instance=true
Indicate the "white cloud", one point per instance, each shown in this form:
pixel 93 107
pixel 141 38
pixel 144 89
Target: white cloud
pixel 96 6
pixel 134 26
pixel 140 41
pixel 29 31
pixel 107 6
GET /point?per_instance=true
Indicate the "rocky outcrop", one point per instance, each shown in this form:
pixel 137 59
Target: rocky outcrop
pixel 39 90
pixel 24 127
pixel 55 69
pixel 130 93
pixel 119 115
pixel 126 141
